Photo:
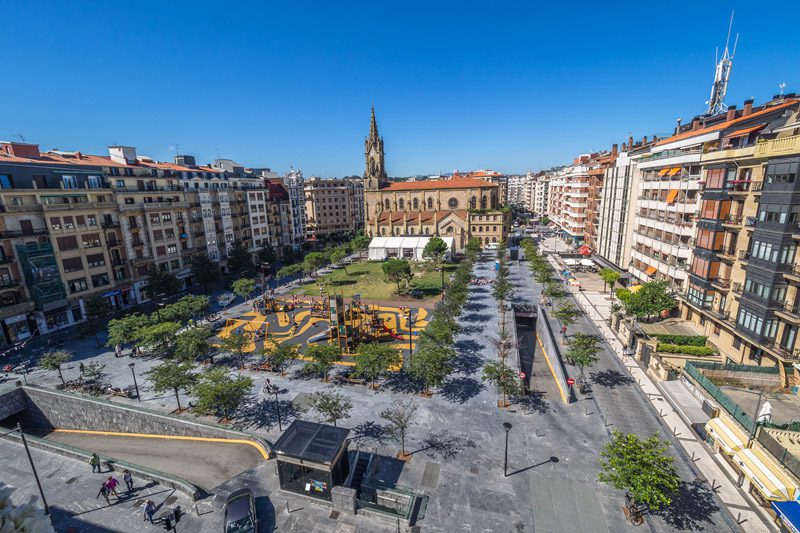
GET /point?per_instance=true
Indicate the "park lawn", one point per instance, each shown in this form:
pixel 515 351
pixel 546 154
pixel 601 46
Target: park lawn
pixel 366 279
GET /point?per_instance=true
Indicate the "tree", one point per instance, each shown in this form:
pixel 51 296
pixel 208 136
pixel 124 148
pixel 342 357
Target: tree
pixel 243 287
pixel 94 371
pixel 337 256
pixel 431 364
pixel 97 309
pixel 159 337
pixel 545 220
pixel 240 261
pixel 502 377
pixel 400 417
pixel 436 251
pixel 192 343
pixel 396 271
pixel 651 299
pixel 236 343
pixel 641 468
pixel 322 356
pixel 567 314
pixel 360 242
pixel 23 517
pixel 266 255
pixel 161 283
pixel 502 289
pixel 553 289
pixel 182 310
pixel 583 351
pixel 290 270
pixel 473 245
pixel 280 355
pixel 312 262
pixel 173 376
pixel 125 330
pixel 609 277
pixel 374 358
pixel 217 392
pixel 204 271
pixel 332 406
pixel 53 360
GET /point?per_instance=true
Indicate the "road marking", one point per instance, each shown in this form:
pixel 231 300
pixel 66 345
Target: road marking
pixel 258 446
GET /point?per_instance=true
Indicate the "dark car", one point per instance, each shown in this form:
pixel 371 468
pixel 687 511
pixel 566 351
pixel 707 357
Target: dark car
pixel 240 512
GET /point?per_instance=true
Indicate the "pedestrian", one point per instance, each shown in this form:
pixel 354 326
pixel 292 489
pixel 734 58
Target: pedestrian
pixel 149 510
pixel 104 492
pixel 112 483
pixel 81 368
pixel 117 351
pixel 127 477
pixel 94 460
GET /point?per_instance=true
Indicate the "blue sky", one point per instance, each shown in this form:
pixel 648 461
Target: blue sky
pixel 456 85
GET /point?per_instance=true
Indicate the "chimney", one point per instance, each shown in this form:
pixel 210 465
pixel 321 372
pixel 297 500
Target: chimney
pixel 624 147
pixel 78 155
pixel 748 107
pixel 630 141
pixel 731 113
pixel 644 140
pixel 614 149
pixel 678 127
pixel 695 124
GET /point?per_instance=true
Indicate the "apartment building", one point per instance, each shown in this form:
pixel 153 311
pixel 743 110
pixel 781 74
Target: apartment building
pixel 77 226
pixel 517 187
pixel 568 198
pixel 597 169
pixel 333 206
pixel 744 276
pixel 294 183
pixel 540 195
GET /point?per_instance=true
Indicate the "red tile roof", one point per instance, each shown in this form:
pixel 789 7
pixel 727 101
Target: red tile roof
pixel 415 217
pixel 53 158
pixel 432 185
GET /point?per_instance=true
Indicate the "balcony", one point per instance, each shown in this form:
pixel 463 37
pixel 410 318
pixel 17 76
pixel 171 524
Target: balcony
pixel 793 275
pixel 726 255
pixel 110 224
pixel 732 221
pixel 10 234
pixel 785 355
pixel 744 256
pixel 75 206
pixel 721 284
pixel 29 208
pixel 16 309
pixel 736 288
pixel 778 147
pixel 790 312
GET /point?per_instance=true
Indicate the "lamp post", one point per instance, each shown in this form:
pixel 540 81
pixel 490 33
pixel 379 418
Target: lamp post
pixel 135 384
pixel 507 427
pixel 274 389
pixel 33 467
pixel 410 329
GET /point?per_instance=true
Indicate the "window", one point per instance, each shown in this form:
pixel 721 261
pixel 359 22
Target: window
pixel 67 243
pixel 161 250
pixel 415 204
pixel 55 222
pixel 95 182
pixel 100 280
pixel 781 173
pixel 120 184
pixel 452 203
pixel 750 321
pixel 158 235
pixel 91 240
pixel 175 264
pixel 96 260
pixel 69 182
pixel 91 220
pixel 69 223
pixel 72 264
pixel 737 342
pixel 77 285
pixel 430 203
pixel 401 204
pixel 155 219
pixel 789 337
pixel 386 204
pixel 172 249
pixel 715 178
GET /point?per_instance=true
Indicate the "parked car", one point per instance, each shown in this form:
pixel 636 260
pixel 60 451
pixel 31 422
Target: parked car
pixel 240 512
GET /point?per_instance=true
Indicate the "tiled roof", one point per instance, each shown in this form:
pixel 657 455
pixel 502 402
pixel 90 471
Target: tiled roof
pixel 432 185
pixel 725 124
pixel 415 217
pixel 79 159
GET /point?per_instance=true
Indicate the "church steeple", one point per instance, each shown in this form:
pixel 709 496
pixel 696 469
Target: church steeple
pixel 374 171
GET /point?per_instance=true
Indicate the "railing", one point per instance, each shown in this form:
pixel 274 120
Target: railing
pixel 8 234
pixel 719 396
pixel 786 145
pixel 791 309
pixel 16 309
pixel 671 153
pixel 784 456
pixel 21 208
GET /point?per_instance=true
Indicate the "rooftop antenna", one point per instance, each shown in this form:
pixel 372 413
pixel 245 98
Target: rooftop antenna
pixel 22 138
pixel 722 73
pixel 218 156
pixel 781 85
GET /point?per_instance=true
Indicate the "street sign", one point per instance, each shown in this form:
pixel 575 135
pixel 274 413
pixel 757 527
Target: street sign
pixel 522 375
pixel 570 381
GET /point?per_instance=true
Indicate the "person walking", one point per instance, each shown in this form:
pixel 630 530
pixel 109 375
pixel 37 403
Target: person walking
pixel 127 477
pixel 112 483
pixel 104 492
pixel 94 460
pixel 149 510
pixel 81 368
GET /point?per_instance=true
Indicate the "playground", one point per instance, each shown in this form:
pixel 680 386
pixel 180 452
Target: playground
pixel 345 322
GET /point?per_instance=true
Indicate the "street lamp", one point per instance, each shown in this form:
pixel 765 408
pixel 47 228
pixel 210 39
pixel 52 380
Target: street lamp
pixel 507 427
pixel 131 365
pixel 33 467
pixel 410 346
pixel 274 389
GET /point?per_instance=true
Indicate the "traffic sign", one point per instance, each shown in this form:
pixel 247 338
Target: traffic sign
pixel 522 375
pixel 570 381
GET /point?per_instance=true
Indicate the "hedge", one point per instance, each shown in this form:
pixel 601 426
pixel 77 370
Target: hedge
pixel 682 340
pixel 686 349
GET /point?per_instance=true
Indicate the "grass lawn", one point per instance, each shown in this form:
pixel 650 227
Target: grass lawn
pixel 366 278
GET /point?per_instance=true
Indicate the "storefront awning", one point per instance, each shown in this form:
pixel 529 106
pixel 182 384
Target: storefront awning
pixel 672 195
pixel 674 171
pixel 789 513
pixel 767 476
pixel 650 271
pixel 730 438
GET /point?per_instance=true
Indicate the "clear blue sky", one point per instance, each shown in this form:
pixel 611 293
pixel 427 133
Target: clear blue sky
pixel 509 86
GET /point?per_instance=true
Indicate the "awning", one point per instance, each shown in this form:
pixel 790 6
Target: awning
pixel 570 262
pixel 587 262
pixel 650 271
pixel 768 477
pixel 672 195
pixel 584 250
pixel 745 131
pixel 674 171
pixel 634 288
pixel 663 171
pixel 727 434
pixel 789 513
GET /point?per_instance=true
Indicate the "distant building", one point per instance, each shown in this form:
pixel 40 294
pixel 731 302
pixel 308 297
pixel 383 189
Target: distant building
pixel 333 206
pixel 295 185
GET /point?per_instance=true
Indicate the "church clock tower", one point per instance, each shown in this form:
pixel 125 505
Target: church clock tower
pixel 374 172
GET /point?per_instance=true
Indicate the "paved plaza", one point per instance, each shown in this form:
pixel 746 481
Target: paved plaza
pixel 456 444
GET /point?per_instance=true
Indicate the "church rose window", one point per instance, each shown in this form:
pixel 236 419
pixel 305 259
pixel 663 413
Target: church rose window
pixel 452 203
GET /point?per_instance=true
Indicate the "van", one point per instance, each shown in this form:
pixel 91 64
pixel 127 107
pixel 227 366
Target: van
pixel 493 246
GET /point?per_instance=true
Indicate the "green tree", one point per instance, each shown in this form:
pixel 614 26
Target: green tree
pixel 322 356
pixel 240 260
pixel 431 364
pixel 219 393
pixel 161 283
pixel 473 245
pixel 94 371
pixel 651 299
pixel 641 468
pixel 236 343
pixel 396 271
pixel 159 337
pixel 374 358
pixel 192 343
pixel 312 262
pixel 400 417
pixel 289 270
pixel 502 377
pixel 97 309
pixel 582 351
pixel 502 290
pixel 545 220
pixel 204 271
pixel 567 314
pixel 609 277
pixel 53 360
pixel 243 287
pixel 332 406
pixel 125 330
pixel 338 255
pixel 172 376
pixel 266 255
pixel 360 242
pixel 182 310
pixel 279 356
pixel 436 251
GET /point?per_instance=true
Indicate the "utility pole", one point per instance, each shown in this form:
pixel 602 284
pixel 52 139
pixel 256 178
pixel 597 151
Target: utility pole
pixel 33 468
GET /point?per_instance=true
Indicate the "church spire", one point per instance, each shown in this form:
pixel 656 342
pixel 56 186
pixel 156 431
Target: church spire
pixel 374 170
pixel 373 127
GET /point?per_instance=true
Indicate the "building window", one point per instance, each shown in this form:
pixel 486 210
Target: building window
pixel 72 264
pixel 452 203
pixel 69 182
pixel 100 280
pixel 77 285
pixel 430 203
pixel 415 204
pixel 401 204
pixel 95 182
pixel 96 260
pixel 386 204
pixel 172 249
pixel 5 181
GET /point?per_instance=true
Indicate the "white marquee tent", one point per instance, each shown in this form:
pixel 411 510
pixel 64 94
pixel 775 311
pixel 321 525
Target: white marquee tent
pixel 382 248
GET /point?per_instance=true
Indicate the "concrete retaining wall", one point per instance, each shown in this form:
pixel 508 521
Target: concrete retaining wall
pixel 12 402
pixel 544 334
pixel 51 409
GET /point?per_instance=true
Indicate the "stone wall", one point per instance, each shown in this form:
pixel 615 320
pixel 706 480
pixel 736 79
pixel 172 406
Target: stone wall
pixel 12 402
pixel 51 409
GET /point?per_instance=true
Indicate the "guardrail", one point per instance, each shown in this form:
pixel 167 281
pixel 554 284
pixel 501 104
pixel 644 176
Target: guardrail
pixel 546 339
pixel 719 396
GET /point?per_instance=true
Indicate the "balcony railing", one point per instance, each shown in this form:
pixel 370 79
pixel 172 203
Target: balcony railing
pixel 16 309
pixel 10 234
pixel 774 147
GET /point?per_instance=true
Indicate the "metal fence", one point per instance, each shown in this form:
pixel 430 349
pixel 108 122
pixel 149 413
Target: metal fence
pixel 786 458
pixel 719 396
pixel 708 365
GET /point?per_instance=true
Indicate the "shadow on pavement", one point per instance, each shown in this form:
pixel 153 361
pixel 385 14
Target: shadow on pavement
pixel 550 460
pixel 263 413
pixel 370 431
pixel 444 445
pixel 534 402
pixel 266 514
pixel 63 520
pixel 610 379
pixel 692 506
pixel 402 382
pixel 459 390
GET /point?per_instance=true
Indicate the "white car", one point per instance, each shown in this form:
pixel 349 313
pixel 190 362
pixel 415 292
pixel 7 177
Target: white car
pixel 225 299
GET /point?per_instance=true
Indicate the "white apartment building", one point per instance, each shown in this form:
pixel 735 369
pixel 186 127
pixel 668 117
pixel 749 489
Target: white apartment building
pixel 517 186
pixel 540 194
pixel 294 183
pixel 568 199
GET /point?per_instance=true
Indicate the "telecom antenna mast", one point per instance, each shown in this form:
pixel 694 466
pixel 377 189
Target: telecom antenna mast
pixel 716 104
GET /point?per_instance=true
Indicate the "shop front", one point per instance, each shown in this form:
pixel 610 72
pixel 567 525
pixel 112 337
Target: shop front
pixel 766 480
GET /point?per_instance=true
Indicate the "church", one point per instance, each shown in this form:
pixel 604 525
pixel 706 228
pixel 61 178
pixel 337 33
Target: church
pixel 460 207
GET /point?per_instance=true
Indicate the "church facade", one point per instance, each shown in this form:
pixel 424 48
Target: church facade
pixel 460 207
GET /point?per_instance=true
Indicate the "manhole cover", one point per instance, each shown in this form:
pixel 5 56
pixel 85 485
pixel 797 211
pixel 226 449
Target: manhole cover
pixel 71 480
pixel 334 514
pixel 473 469
pixel 170 500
